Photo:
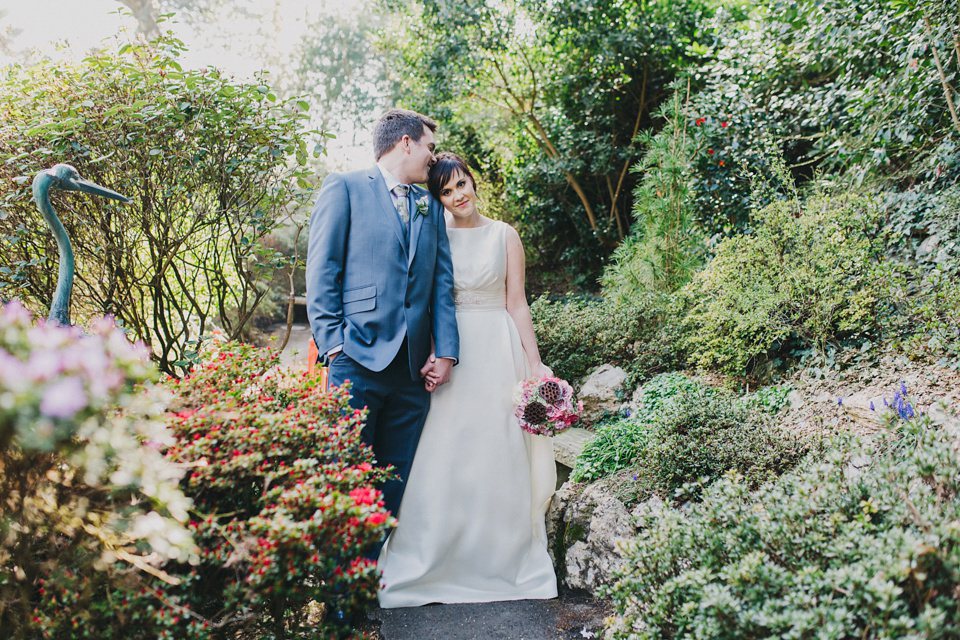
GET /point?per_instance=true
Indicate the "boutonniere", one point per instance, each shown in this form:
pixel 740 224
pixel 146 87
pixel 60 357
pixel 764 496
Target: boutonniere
pixel 423 206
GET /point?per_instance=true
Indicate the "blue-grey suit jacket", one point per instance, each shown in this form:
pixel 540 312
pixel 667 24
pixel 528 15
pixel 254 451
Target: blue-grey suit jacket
pixel 366 289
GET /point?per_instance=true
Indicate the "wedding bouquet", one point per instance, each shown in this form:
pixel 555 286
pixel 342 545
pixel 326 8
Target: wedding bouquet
pixel 546 406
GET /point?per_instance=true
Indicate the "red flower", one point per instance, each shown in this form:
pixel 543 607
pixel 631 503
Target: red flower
pixel 720 164
pixel 376 519
pixel 700 121
pixel 710 151
pixel 724 124
pixel 364 495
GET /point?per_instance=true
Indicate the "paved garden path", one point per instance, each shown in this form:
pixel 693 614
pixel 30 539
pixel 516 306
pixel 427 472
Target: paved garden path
pixel 571 616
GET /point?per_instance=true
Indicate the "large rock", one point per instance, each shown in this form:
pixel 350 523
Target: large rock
pixel 587 527
pixel 599 391
pixel 927 251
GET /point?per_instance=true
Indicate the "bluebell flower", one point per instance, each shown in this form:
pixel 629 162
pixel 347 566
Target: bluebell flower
pixel 871 406
pixel 901 405
pixel 903 388
pixel 840 402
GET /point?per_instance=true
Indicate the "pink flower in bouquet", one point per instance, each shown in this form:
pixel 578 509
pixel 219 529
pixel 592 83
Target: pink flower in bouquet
pixel 546 406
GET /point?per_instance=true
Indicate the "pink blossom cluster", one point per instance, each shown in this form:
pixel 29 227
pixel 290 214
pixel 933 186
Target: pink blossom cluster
pixel 546 406
pixel 51 374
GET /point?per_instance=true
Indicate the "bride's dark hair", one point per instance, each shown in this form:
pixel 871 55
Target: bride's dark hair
pixel 446 165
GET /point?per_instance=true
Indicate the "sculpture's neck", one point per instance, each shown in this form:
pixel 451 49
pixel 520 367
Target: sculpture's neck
pixel 60 306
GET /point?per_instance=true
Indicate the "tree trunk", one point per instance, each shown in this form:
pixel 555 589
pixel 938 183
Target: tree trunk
pixel 145 14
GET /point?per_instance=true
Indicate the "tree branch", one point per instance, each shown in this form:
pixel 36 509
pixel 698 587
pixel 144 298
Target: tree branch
pixel 947 89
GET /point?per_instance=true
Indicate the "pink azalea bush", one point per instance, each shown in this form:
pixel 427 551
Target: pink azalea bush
pixel 284 502
pixel 87 499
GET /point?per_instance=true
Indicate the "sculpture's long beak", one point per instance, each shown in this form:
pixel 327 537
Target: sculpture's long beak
pixel 89 187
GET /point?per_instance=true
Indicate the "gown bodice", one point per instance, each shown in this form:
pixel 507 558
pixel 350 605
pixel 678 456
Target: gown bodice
pixel 479 266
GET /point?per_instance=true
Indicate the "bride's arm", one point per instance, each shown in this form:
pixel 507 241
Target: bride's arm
pixel 517 305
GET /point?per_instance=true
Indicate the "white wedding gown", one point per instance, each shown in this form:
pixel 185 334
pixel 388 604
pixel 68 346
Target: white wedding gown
pixel 471 524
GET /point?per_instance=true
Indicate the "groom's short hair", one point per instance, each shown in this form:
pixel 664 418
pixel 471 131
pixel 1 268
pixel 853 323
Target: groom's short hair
pixel 396 123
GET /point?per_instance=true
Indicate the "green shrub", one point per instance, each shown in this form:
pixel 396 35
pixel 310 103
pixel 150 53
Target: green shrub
pixel 618 443
pixel 934 319
pixel 928 319
pixel 812 273
pixel 824 552
pixel 615 446
pixel 211 165
pixel 702 434
pixel 684 433
pixel 576 334
pixel 771 398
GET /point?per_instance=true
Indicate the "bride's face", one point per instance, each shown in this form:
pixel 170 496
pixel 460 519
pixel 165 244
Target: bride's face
pixel 459 196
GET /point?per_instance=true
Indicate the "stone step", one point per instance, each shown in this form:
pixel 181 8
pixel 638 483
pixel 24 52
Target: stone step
pixel 568 445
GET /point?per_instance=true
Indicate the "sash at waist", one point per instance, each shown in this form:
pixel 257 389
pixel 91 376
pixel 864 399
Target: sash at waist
pixel 479 300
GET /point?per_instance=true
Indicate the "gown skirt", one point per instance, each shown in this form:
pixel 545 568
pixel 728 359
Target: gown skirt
pixel 471 526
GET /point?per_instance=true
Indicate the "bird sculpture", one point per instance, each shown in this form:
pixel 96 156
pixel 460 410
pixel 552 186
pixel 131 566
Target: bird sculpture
pixel 65 178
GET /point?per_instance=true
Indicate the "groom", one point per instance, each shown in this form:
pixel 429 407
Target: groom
pixel 380 290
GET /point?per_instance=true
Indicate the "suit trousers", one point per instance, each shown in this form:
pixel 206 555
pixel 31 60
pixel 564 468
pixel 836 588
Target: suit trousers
pixel 397 407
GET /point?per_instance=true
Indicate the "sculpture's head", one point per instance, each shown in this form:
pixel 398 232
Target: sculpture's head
pixel 67 178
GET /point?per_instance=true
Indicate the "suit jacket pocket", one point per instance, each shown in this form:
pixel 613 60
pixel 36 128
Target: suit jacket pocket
pixel 359 299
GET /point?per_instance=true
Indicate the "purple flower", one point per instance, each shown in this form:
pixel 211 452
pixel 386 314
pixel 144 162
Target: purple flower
pixel 63 398
pixel 901 405
pixel 840 402
pixel 871 406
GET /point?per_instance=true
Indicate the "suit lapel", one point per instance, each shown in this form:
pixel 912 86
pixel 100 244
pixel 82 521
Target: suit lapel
pixel 386 205
pixel 417 223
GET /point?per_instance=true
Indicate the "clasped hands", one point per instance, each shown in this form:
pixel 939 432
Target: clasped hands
pixel 435 372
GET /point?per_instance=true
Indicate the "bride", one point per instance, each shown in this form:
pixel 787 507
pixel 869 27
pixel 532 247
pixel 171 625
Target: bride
pixel 471 523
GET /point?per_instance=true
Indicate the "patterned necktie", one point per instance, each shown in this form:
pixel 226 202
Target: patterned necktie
pixel 403 203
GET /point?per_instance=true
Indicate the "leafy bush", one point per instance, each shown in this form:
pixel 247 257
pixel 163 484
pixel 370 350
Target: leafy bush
pixel 684 432
pixel 812 273
pixel 701 435
pixel 616 444
pixel 928 320
pixel 577 334
pixel 210 164
pixel 284 506
pixel 88 504
pixel 826 551
pixel 849 88
pixel 771 398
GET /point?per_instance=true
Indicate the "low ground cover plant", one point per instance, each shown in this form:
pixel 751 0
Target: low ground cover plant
pixel 684 435
pixel 620 441
pixel 827 550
